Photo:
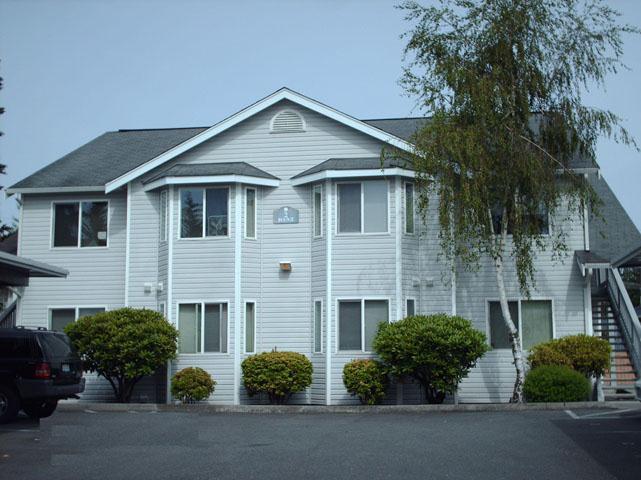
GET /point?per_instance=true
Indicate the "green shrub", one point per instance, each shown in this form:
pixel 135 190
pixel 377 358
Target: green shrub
pixel 555 383
pixel 123 346
pixel 367 379
pixel 278 374
pixel 587 355
pixel 192 385
pixel 436 350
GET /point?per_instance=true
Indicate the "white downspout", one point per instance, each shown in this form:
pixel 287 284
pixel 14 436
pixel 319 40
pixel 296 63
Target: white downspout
pixel 170 280
pixel 399 259
pixel 127 244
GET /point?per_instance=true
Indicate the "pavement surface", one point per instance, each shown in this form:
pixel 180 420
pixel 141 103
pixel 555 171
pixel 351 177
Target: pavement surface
pixel 583 444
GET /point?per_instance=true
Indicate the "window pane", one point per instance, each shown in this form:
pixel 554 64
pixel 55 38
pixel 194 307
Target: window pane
pixel 191 213
pixel 189 328
pixel 409 208
pixel 250 210
pixel 223 329
pixel 349 207
pixel 376 311
pixel 213 320
pixel 61 317
pixel 164 201
pixel 217 199
pixel 375 205
pixel 318 327
pixel 349 325
pixel 499 337
pixel 536 322
pixel 318 205
pixel 250 325
pixel 94 224
pixel 65 229
pixel 86 312
pixel 410 310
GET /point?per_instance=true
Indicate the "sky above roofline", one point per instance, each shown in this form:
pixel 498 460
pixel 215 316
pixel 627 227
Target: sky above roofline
pixel 73 70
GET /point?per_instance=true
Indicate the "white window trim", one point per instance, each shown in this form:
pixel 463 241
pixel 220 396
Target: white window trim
pixel 362 300
pixel 69 307
pixel 362 232
pixel 204 228
pixel 519 325
pixel 79 202
pixel 164 201
pixel 415 305
pixel 202 324
pixel 405 184
pixel 317 189
pixel 247 237
pixel 322 324
pixel 250 300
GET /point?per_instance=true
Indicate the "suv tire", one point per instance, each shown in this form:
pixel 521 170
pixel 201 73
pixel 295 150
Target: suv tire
pixel 9 404
pixel 39 408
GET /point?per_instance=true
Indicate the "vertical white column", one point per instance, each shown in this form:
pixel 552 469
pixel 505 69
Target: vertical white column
pixel 127 243
pixel 399 258
pixel 328 288
pixel 237 286
pixel 453 282
pixel 587 301
pixel 169 304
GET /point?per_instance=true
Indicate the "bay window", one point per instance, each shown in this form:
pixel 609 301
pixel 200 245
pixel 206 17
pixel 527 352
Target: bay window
pixel 204 212
pixel 409 208
pixel 202 327
pixel 80 224
pixel 532 318
pixel 363 207
pixel 318 211
pixel 358 322
pixel 250 213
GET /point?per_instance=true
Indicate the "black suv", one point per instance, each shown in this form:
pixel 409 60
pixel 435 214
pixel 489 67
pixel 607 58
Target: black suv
pixel 37 368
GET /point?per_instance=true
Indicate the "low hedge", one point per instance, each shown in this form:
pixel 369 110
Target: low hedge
pixel 585 354
pixel 192 385
pixel 278 374
pixel 556 383
pixel 366 379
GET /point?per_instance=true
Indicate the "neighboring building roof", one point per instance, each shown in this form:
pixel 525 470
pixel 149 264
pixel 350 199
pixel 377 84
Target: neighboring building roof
pixel 401 127
pixel 614 235
pixel 369 163
pixel 10 243
pixel 211 169
pixel 31 267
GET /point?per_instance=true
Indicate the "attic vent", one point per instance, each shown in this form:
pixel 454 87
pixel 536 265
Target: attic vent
pixel 287 121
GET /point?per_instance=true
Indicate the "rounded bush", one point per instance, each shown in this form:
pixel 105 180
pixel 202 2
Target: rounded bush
pixel 436 350
pixel 192 385
pixel 585 354
pixel 366 379
pixel 278 374
pixel 555 383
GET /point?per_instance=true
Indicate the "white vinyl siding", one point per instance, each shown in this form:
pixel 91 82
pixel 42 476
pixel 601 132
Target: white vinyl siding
pixel 363 207
pixel 250 213
pixel 203 327
pixel 80 224
pixel 533 318
pixel 214 202
pixel 358 322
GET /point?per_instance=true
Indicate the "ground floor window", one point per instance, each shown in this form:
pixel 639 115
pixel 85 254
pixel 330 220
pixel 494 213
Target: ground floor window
pixel 318 326
pixel 532 318
pixel 358 323
pixel 250 327
pixel 59 318
pixel 202 327
pixel 410 307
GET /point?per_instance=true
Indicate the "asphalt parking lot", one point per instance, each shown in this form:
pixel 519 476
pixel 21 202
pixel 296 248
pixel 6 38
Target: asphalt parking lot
pixel 588 444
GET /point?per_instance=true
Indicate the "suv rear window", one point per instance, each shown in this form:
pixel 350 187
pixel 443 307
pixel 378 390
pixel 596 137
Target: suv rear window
pixel 56 344
pixel 15 347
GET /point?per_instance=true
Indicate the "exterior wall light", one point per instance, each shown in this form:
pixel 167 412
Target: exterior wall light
pixel 286 266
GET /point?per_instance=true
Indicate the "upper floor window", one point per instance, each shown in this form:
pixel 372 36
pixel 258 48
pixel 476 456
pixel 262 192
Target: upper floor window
pixel 204 212
pixel 318 211
pixel 532 318
pixel 409 208
pixel 164 215
pixel 250 213
pixel 540 221
pixel 80 224
pixel 363 207
pixel 287 121
pixel 59 318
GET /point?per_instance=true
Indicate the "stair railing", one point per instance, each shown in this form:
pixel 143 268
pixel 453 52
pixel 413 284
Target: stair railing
pixel 8 315
pixel 628 320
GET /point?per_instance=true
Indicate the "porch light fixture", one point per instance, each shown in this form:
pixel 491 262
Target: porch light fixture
pixel 286 266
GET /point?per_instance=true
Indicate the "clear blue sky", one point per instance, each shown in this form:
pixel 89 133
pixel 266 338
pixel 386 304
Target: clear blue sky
pixel 75 69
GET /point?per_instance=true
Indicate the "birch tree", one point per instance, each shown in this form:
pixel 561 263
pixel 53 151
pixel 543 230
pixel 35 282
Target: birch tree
pixel 503 84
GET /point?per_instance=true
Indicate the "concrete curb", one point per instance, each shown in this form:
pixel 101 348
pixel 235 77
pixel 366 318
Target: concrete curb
pixel 343 409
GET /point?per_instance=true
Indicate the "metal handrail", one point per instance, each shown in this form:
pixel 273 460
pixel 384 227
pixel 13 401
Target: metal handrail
pixel 8 315
pixel 628 320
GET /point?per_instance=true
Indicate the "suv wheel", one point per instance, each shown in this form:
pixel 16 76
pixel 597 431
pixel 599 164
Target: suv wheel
pixel 39 408
pixel 9 404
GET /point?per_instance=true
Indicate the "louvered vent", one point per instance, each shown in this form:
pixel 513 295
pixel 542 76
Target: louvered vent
pixel 288 121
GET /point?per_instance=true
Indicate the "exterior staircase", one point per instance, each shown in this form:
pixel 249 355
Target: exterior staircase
pixel 618 382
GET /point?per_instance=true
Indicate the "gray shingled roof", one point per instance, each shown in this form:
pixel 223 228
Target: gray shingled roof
pixel 107 157
pixel 614 235
pixel 401 127
pixel 369 163
pixel 212 169
pixel 33 267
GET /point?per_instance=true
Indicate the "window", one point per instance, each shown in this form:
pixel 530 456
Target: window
pixel 80 224
pixel 540 221
pixel 362 207
pixel 250 327
pixel 59 318
pixel 318 326
pixel 250 213
pixel 162 309
pixel 318 211
pixel 164 213
pixel 202 327
pixel 358 323
pixel 533 318
pixel 410 307
pixel 409 208
pixel 214 202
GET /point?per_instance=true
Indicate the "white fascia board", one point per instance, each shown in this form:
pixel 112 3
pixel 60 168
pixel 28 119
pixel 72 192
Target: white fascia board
pixel 161 182
pixel 11 191
pixel 282 94
pixel 331 174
